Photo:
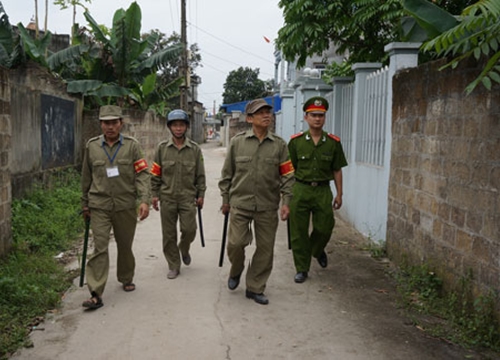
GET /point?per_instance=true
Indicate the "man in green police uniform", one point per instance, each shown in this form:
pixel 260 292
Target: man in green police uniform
pixel 114 178
pixel 317 158
pixel 256 171
pixel 178 182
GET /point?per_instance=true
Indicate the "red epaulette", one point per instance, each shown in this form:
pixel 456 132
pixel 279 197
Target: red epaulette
pixel 334 137
pixel 297 135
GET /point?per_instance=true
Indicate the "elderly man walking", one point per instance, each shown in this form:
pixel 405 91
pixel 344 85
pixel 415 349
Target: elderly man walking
pixel 257 175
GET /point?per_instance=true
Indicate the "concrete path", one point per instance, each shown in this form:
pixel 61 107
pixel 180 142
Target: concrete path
pixel 346 311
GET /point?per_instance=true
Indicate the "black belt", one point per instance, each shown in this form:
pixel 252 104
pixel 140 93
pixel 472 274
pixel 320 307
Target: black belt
pixel 313 183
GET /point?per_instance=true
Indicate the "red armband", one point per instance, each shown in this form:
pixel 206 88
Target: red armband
pixel 286 168
pixel 156 169
pixel 140 165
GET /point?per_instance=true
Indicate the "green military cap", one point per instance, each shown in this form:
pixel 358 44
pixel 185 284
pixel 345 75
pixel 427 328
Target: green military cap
pixel 316 104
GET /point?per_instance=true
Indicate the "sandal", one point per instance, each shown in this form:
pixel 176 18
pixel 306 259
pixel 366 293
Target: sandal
pixel 129 287
pixel 95 302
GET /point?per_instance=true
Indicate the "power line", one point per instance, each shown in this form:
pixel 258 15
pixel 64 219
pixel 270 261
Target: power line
pixel 215 68
pixel 174 23
pixel 220 58
pixel 230 62
pixel 231 45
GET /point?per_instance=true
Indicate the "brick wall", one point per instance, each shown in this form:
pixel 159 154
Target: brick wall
pixel 5 155
pixel 444 193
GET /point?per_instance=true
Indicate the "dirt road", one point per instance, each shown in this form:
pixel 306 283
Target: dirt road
pixel 346 311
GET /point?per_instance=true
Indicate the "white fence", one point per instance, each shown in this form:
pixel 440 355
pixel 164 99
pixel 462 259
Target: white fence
pixel 360 114
pixel 373 124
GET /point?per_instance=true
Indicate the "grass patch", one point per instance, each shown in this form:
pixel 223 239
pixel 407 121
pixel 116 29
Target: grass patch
pixel 457 316
pixel 377 250
pixel 44 223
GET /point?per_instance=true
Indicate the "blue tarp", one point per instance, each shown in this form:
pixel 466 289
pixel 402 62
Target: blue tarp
pixel 274 101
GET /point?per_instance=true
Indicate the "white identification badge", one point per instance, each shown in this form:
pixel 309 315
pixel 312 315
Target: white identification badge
pixel 112 171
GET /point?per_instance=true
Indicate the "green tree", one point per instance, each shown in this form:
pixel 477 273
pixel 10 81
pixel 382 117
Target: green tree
pixel 168 72
pixel 358 28
pixel 243 84
pixel 475 33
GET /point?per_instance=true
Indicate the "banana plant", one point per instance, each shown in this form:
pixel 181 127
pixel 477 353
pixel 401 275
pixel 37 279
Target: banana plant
pixel 112 63
pixel 428 17
pixel 11 53
pixel 476 32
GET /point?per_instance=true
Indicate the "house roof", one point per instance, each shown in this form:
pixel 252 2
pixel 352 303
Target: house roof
pixel 274 101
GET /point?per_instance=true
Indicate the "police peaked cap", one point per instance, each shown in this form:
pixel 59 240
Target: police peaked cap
pixel 316 104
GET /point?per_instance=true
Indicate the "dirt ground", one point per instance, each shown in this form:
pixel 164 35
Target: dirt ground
pixel 347 311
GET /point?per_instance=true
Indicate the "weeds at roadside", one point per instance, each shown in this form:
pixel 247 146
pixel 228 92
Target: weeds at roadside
pixel 456 316
pixel 32 281
pixel 377 250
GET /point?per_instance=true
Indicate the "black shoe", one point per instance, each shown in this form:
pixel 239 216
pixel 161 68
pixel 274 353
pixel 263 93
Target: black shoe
pixel 300 277
pixel 186 259
pixel 258 298
pixel 323 260
pixel 233 282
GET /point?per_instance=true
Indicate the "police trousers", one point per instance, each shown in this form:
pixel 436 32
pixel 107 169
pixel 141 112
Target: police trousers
pixel 316 202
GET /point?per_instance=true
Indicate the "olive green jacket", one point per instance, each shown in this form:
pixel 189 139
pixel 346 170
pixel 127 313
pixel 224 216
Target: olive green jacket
pixel 178 174
pixel 114 178
pixel 256 175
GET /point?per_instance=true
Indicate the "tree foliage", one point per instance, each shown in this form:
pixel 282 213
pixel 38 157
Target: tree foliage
pixel 243 84
pixel 359 29
pixel 11 49
pixel 476 34
pixel 168 72
pixel 118 65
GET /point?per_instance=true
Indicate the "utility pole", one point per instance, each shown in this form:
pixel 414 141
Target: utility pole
pixel 184 60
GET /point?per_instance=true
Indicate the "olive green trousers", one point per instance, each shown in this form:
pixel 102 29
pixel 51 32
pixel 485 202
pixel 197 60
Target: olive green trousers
pixel 123 224
pixel 265 224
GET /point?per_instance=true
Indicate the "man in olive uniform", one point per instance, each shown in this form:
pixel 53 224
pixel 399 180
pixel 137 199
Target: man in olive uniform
pixel 114 178
pixel 178 182
pixel 256 171
pixel 317 158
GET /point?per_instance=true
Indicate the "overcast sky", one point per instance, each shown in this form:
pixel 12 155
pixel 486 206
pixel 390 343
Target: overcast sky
pixel 229 33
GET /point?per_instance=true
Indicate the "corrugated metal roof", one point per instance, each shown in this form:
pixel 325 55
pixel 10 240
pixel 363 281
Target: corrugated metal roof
pixel 274 101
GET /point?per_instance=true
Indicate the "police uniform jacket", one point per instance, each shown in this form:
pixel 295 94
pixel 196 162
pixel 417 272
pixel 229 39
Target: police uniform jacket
pixel 178 174
pixel 316 163
pixel 121 190
pixel 256 173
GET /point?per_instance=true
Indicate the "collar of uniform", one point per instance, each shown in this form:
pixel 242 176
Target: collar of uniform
pixel 170 142
pixel 307 134
pixel 250 133
pixel 103 140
